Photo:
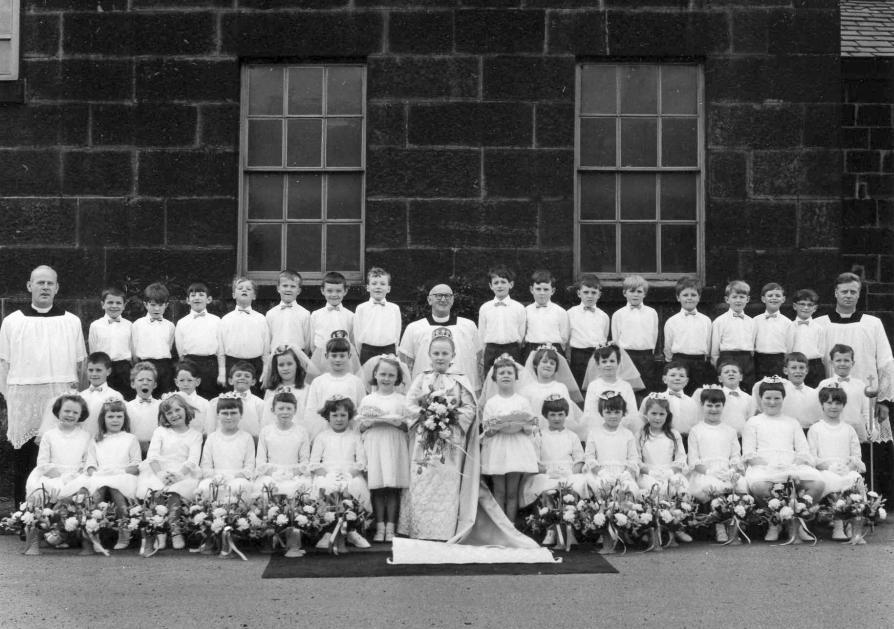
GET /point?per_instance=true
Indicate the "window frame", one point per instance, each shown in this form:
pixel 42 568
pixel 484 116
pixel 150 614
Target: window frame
pixel 658 278
pixel 312 277
pixel 14 36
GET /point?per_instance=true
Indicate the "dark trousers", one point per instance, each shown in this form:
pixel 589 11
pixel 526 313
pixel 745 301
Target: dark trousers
pixel 371 351
pixel 119 379
pixel 701 371
pixel 644 361
pixel 768 365
pixel 816 372
pixel 530 348
pixel 164 367
pixel 882 470
pixel 492 351
pixel 257 363
pixel 24 460
pixel 207 366
pixel 578 361
pixel 746 366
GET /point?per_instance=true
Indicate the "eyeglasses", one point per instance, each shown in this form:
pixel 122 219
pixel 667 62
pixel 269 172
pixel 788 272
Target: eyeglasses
pixel 442 296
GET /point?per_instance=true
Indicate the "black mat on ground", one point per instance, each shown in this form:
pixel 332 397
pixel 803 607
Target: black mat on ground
pixel 372 563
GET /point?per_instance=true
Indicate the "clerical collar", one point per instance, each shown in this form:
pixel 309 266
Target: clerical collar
pixel 53 311
pixel 451 320
pixel 834 317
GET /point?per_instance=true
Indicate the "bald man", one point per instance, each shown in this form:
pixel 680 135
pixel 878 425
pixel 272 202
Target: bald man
pixel 41 351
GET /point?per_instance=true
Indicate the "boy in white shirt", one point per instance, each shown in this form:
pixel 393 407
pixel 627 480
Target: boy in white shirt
pixel 589 327
pixel 805 335
pixel 770 332
pixel 635 329
pixel 501 320
pixel 242 377
pixel 732 333
pixel 856 411
pixel 377 322
pixel 99 367
pixel 687 336
pixel 187 379
pixel 111 334
pixel 546 323
pixel 739 406
pixel 683 408
pixel 800 400
pixel 143 409
pixel 289 322
pixel 243 335
pixel 152 336
pixel 197 337
pixel 331 317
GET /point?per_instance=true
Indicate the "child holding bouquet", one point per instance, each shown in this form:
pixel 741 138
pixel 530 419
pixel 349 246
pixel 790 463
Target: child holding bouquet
pixel 283 451
pixel 610 456
pixel 228 458
pixel 715 456
pixel 507 449
pixel 384 435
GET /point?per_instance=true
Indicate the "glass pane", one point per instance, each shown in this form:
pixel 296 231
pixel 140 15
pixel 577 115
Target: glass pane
pixel 345 198
pixel 638 252
pixel 264 247
pixel 679 142
pixel 6 57
pixel 597 196
pixel 265 196
pixel 638 196
pixel 265 91
pixel 304 144
pixel 679 90
pixel 265 142
pixel 304 247
pixel 639 90
pixel 678 244
pixel 344 90
pixel 598 90
pixel 597 249
pixel 344 141
pixel 343 247
pixel 639 142
pixel 597 142
pixel 306 196
pixel 306 91
pixel 5 17
pixel 679 196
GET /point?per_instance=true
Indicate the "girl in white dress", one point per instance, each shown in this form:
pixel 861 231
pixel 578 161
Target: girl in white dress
pixel 338 381
pixel 715 456
pixel 338 460
pixel 228 458
pixel 283 451
pixel 551 376
pixel 286 375
pixel 836 449
pixel 62 455
pixel 507 447
pixel 774 450
pixel 384 434
pixel 610 456
pixel 113 462
pixel 607 359
pixel 172 461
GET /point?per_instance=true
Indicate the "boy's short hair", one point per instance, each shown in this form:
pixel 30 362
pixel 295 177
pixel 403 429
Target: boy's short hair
pixel 614 403
pixel 676 364
pixel 334 404
pixel 156 292
pixel 712 395
pixel 113 291
pixel 284 397
pixel 143 365
pixel 766 288
pixel 289 274
pixel 806 294
pixel 605 351
pixel 542 276
pixel 832 394
pixel 763 387
pixel 71 397
pixel 229 403
pixel 241 278
pixel 632 282
pixel 847 278
pixel 841 348
pixel 197 287
pixel 243 365
pixel 687 282
pixel 188 366
pixel 737 287
pixel 559 405
pixel 589 280
pixel 501 271
pixel 100 358
pixel 337 345
pixel 795 357
pixel 729 363
pixel 378 271
pixel 334 277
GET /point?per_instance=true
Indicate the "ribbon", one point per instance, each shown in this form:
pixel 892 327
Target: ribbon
pixel 97 547
pixel 737 529
pixel 32 540
pixel 228 545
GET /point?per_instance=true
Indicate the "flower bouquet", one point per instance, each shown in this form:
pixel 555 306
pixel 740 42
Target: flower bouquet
pixel 857 509
pixel 91 519
pixel 733 513
pixel 151 519
pixel 434 426
pixel 671 516
pixel 558 514
pixel 31 521
pixel 341 516
pixel 792 509
pixel 617 514
pixel 287 519
pixel 369 416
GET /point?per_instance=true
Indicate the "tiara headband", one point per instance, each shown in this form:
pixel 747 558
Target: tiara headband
pixel 229 395
pixel 170 394
pixel 772 380
pixel 715 387
pixel 388 357
pixel 282 349
pixel 337 398
pixel 606 344
pixel 607 395
pixel 656 395
pixel 441 333
pixel 549 347
pixel 832 385
pixel 113 399
pixel 552 397
pixel 338 334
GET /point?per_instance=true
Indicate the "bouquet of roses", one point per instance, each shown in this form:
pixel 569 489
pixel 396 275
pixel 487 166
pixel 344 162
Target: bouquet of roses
pixel 286 519
pixel 339 514
pixel 857 509
pixel 92 517
pixel 672 515
pixel 559 513
pixel 218 525
pixel 618 514
pixel 30 520
pixel 510 422
pixel 151 518
pixel 734 512
pixel 790 505
pixel 435 423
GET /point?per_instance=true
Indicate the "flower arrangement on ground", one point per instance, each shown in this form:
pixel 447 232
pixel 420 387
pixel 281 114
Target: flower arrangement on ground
pixel 731 515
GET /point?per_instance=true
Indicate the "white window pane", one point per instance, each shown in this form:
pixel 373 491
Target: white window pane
pixel 639 90
pixel 344 90
pixel 264 196
pixel 265 91
pixel 264 244
pixel 304 143
pixel 306 196
pixel 342 247
pixel 344 142
pixel 345 195
pixel 306 91
pixel 6 17
pixel 598 90
pixel 304 246
pixel 265 143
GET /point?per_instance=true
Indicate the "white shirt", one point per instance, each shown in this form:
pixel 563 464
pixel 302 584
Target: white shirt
pixel 196 334
pixel 635 327
pixel 377 324
pixel 547 324
pixel 111 336
pixel 95 398
pixel 856 411
pixel 143 417
pixel 738 408
pixel 501 321
pixel 731 333
pixel 243 334
pixel 589 328
pixel 328 319
pixel 872 350
pixel 684 410
pixel 152 338
pixel 289 324
pixel 417 338
pixel 805 336
pixel 716 446
pixel 687 333
pixel 770 332
pixel 800 402
pixel 41 350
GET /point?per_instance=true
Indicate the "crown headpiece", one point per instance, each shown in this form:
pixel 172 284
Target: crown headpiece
pixel 441 333
pixel 607 395
pixel 339 334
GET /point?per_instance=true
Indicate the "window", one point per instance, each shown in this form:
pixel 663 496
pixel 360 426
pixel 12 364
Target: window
pixel 639 169
pixel 303 155
pixel 9 40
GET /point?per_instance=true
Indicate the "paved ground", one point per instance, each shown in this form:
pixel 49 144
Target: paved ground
pixel 696 586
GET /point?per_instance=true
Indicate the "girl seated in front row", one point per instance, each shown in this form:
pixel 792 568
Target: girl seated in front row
pixel 611 457
pixel 283 451
pixel 228 458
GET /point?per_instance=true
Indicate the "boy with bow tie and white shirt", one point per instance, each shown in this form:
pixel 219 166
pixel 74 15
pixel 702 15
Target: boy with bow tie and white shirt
pixel 152 336
pixel 770 332
pixel 805 335
pixel 589 326
pixel 198 340
pixel 288 321
pixel 546 322
pixel 732 333
pixel 331 318
pixel 377 322
pixel 243 335
pixel 635 329
pixel 687 336
pixel 111 334
pixel 502 320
